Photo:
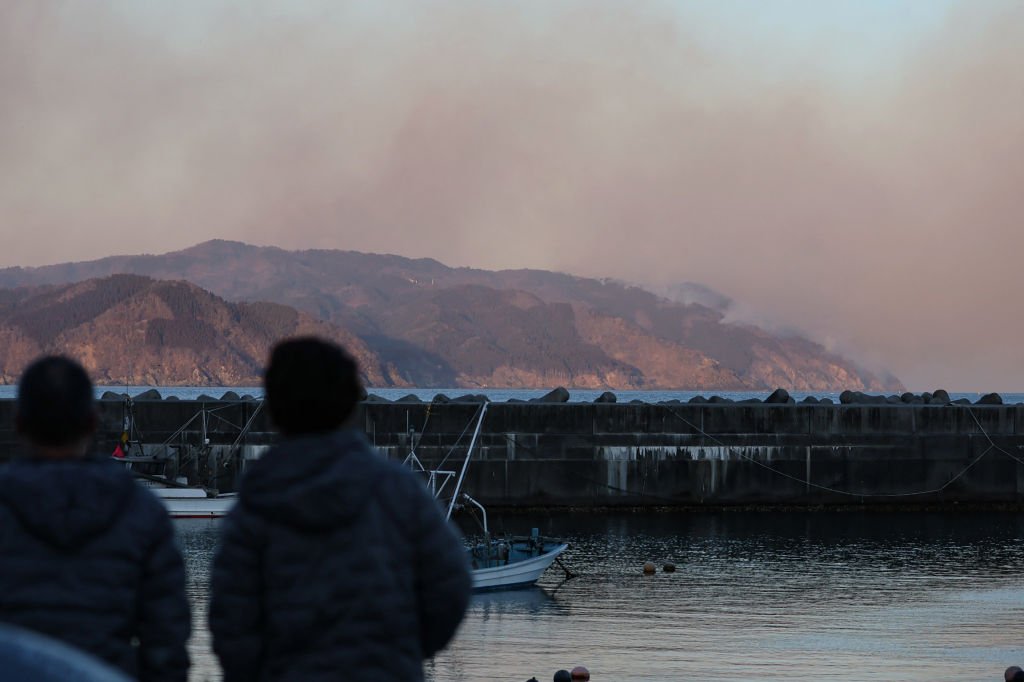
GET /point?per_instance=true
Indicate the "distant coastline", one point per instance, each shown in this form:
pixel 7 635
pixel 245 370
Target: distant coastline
pixel 501 394
pixel 209 314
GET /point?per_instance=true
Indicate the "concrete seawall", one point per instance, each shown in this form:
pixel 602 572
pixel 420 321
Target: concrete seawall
pixel 596 455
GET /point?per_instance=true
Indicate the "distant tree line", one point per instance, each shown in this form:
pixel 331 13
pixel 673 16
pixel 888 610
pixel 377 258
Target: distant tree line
pixel 47 316
pixel 181 333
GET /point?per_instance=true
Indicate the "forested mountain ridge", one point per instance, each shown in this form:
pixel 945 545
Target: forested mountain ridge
pixel 432 325
pixel 129 329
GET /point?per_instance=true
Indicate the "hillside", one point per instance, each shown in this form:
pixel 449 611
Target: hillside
pixel 436 325
pixel 136 330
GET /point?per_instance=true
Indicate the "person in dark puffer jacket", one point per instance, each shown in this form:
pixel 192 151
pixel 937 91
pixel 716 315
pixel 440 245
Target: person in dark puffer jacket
pixel 88 555
pixel 335 563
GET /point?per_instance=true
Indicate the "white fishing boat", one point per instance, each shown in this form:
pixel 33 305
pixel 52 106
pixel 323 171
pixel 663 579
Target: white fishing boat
pixel 155 466
pixel 183 501
pixel 194 503
pixel 516 562
pixel 498 563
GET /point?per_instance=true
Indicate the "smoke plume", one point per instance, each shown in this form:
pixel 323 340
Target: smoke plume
pixel 880 215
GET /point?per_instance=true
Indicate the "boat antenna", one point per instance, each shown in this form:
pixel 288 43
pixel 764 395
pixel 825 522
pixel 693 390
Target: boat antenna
pixel 465 464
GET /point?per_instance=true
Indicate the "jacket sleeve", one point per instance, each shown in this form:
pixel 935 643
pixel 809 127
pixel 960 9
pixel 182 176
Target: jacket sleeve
pixel 443 582
pixel 165 620
pixel 236 611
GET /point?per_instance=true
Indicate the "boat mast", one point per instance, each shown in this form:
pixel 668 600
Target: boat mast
pixel 465 465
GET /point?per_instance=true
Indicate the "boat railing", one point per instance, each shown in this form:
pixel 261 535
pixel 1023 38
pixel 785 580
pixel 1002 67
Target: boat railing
pixel 437 479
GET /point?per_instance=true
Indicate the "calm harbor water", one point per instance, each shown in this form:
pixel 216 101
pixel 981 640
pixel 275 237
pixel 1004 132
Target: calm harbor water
pixel 771 596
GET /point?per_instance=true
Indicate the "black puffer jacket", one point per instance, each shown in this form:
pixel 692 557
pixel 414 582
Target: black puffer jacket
pixel 88 556
pixel 336 564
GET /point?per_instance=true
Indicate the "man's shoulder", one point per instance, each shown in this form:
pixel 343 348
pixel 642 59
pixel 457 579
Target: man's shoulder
pixel 398 475
pixel 145 505
pixel 407 491
pixel 351 451
pixel 85 476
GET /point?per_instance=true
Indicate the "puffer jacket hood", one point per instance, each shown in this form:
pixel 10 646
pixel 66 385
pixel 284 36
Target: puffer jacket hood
pixel 336 564
pixel 65 503
pixel 312 482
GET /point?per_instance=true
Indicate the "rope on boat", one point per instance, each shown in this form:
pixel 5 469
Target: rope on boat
pixel 181 429
pixel 248 424
pixel 461 436
pixel 423 429
pixel 222 419
pixel 568 573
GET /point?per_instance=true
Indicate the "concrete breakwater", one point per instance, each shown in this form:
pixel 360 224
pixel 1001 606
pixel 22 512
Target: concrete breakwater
pixel 613 454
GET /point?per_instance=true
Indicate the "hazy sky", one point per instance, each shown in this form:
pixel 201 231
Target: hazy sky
pixel 852 169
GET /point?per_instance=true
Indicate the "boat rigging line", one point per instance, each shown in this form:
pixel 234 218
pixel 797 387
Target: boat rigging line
pixel 483 406
pixel 465 463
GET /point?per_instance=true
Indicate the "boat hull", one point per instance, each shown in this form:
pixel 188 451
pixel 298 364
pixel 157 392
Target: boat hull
pixel 198 509
pixel 190 503
pixel 517 573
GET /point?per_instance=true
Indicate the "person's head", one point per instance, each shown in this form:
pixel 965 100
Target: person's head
pixel 1013 674
pixel 312 386
pixel 563 676
pixel 580 673
pixel 55 411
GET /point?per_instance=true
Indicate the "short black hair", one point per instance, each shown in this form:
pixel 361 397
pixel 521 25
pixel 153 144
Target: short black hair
pixel 55 402
pixel 312 385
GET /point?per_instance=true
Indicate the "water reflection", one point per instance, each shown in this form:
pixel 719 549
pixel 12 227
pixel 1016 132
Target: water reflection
pixel 536 602
pixel 794 596
pixel 198 540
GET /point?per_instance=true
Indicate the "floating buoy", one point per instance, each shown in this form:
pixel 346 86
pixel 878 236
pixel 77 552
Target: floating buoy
pixel 669 567
pixel 649 568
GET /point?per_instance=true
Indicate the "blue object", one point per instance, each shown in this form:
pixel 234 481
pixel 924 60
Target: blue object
pixel 26 655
